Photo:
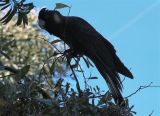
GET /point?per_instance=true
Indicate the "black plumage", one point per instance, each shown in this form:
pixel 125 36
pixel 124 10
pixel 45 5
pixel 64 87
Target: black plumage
pixel 85 40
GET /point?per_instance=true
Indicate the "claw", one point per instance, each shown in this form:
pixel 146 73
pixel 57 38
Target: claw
pixel 70 53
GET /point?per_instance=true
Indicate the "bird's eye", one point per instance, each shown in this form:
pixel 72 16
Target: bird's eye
pixel 41 23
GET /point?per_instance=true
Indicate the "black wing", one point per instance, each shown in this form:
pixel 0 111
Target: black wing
pixel 101 52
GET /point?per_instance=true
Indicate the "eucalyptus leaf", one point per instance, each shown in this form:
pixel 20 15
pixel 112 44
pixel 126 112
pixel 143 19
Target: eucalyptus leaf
pixel 20 18
pixel 6 6
pixel 4 54
pixel 2 4
pixel 52 68
pixel 61 5
pixel 6 15
pixel 9 17
pixel 93 78
pixel 56 41
pixel 25 19
pixel 22 72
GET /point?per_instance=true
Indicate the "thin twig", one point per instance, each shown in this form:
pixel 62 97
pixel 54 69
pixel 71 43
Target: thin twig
pixel 151 113
pixel 4 54
pixel 7 75
pixel 123 79
pixel 83 76
pixel 140 88
pixel 45 64
pixel 93 96
pixel 78 85
pixel 11 69
pixel 52 45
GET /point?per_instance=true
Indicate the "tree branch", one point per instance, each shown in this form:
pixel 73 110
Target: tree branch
pixel 140 88
pixel 78 85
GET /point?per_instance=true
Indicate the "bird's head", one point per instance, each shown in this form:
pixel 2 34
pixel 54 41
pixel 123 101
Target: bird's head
pixel 49 19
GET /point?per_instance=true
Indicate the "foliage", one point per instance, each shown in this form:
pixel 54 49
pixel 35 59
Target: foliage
pixel 32 73
pixel 16 6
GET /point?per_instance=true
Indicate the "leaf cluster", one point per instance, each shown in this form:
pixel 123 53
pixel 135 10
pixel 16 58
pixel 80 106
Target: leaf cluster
pixel 13 7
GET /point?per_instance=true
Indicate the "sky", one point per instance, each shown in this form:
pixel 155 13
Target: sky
pixel 133 27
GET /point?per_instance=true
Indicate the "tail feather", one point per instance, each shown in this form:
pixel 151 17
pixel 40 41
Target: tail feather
pixel 111 77
pixel 121 68
pixel 109 65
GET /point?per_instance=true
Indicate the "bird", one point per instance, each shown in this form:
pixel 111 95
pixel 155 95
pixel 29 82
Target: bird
pixel 85 40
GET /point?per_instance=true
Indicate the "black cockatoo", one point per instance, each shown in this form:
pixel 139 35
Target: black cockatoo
pixel 83 39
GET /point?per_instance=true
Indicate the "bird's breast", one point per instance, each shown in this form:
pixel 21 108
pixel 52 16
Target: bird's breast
pixel 73 43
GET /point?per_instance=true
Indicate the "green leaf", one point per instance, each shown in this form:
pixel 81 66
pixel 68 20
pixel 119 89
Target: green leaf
pixel 52 68
pixel 87 61
pixel 13 70
pixel 2 4
pixel 4 54
pixel 93 102
pixel 11 14
pixel 72 89
pixel 67 87
pixel 98 88
pixel 3 18
pixel 107 97
pixel 44 93
pixel 20 17
pixel 46 70
pixel 6 6
pixel 6 45
pixel 25 19
pixel 93 78
pixel 22 72
pixel 94 89
pixel 29 7
pixel 61 5
pixel 58 85
pixel 56 41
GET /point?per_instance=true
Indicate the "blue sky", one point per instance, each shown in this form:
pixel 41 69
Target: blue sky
pixel 133 27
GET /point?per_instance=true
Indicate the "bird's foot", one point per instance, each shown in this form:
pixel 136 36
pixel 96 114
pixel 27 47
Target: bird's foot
pixel 69 54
